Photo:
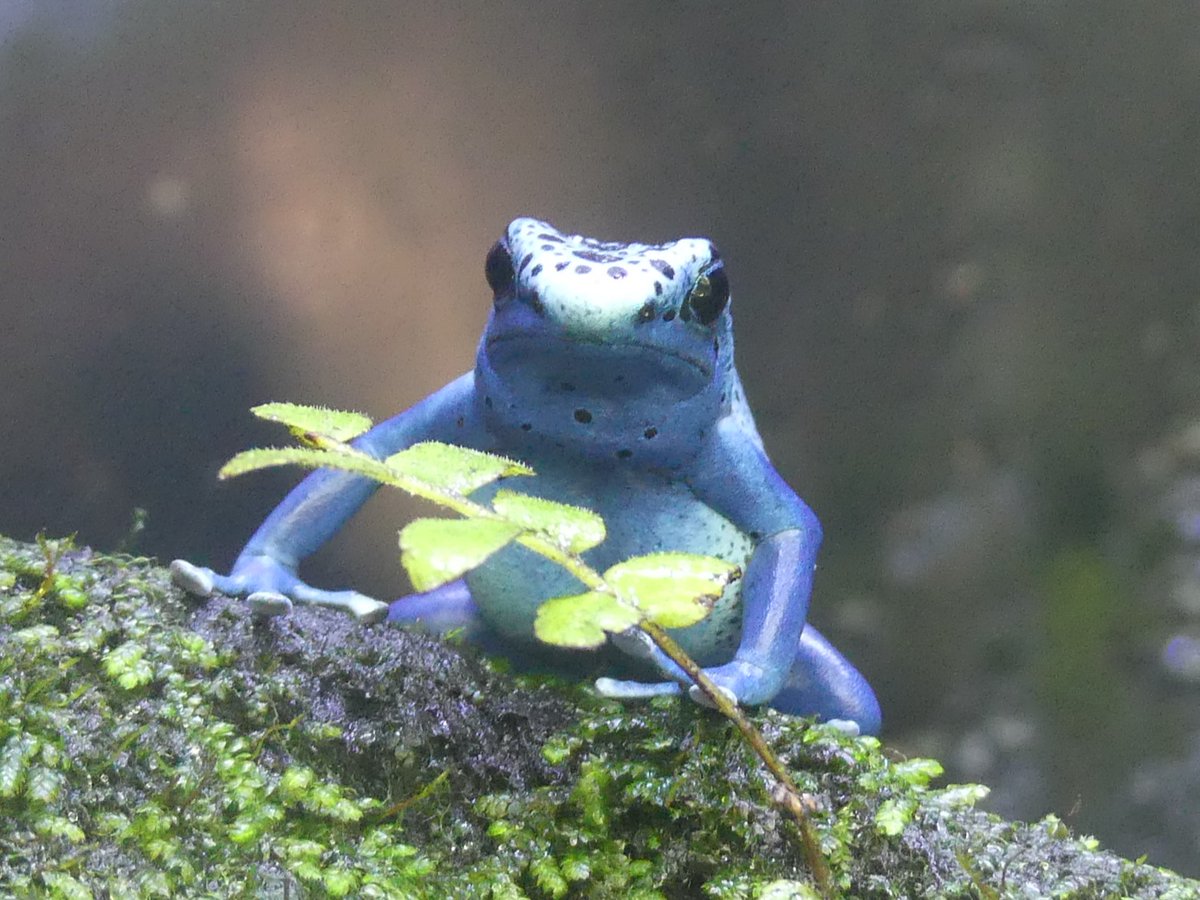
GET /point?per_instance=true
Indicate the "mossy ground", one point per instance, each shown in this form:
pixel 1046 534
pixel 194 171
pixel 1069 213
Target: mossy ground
pixel 151 746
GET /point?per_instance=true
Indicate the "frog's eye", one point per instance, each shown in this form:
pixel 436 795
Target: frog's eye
pixel 498 269
pixel 709 295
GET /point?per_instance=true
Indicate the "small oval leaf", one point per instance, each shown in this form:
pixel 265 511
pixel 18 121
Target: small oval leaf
pixel 573 528
pixel 459 470
pixel 436 551
pixel 330 423
pixel 673 590
pixel 267 457
pixel 582 620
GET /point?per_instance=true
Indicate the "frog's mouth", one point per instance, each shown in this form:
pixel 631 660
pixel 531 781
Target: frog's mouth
pixel 548 370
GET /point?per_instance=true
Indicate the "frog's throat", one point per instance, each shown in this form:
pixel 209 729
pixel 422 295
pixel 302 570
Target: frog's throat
pixel 625 400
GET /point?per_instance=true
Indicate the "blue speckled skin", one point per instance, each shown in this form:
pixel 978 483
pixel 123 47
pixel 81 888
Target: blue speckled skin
pixel 609 369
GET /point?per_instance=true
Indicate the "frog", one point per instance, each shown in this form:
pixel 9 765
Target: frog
pixel 608 368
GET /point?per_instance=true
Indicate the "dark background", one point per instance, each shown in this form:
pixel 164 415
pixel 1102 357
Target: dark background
pixel 962 239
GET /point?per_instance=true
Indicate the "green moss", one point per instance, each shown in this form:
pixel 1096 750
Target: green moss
pixel 152 746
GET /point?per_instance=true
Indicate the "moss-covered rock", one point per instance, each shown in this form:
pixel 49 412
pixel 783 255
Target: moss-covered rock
pixel 151 745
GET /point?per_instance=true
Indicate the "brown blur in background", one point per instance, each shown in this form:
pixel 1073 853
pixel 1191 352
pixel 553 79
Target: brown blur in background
pixel 962 239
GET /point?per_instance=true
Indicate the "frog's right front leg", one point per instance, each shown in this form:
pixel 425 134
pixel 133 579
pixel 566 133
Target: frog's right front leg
pixel 266 569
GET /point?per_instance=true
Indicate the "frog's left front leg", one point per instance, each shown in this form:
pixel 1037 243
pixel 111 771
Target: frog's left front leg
pixel 734 477
pixel 775 592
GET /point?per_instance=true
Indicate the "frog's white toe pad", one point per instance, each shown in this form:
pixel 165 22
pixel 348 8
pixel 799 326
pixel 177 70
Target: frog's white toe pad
pixel 635 642
pixel 847 727
pixel 702 698
pixel 265 604
pixel 366 610
pixel 196 581
pixel 608 687
pixel 632 690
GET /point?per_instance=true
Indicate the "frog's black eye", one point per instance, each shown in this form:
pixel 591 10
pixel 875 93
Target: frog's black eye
pixel 709 295
pixel 499 269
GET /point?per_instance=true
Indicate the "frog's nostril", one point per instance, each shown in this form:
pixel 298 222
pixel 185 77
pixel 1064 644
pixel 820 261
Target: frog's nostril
pixel 536 304
pixel 583 416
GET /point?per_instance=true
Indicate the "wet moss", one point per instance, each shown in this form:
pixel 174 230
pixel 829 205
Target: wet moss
pixel 151 745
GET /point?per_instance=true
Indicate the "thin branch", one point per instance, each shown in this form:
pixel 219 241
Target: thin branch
pixel 789 797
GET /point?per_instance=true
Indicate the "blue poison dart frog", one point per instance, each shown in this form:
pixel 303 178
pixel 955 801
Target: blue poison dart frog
pixel 607 367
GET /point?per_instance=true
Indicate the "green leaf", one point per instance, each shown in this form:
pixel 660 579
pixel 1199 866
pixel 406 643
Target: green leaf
pixel 14 758
pixel 582 620
pixel 42 784
pixel 60 826
pixel 330 423
pixel 459 470
pixel 126 664
pixel 339 881
pixel 36 635
pixel 60 884
pixel 894 814
pixel 549 879
pixel 243 830
pixel 673 590
pixel 296 781
pixel 918 770
pixel 960 795
pixel 267 457
pixel 435 551
pixel 571 527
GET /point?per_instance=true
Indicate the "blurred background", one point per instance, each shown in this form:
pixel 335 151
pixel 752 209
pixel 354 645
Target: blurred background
pixel 962 239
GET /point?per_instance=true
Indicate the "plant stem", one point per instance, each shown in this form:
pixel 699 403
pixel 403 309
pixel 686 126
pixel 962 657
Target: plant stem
pixel 791 799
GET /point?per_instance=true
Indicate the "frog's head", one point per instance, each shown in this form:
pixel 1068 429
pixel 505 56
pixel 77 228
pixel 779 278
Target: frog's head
pixel 616 351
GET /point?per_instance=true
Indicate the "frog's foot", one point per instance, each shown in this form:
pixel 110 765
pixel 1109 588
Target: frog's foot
pixel 196 580
pixel 823 683
pixel 740 681
pixel 634 690
pixel 637 690
pixel 736 679
pixel 366 610
pixel 449 608
pixel 271 589
pixel 847 727
pixel 267 604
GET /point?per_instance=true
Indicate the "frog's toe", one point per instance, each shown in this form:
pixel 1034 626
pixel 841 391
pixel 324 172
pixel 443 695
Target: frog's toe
pixel 629 690
pixel 702 698
pixel 848 727
pixel 267 604
pixel 365 610
pixel 196 580
pixel 742 682
pixel 635 642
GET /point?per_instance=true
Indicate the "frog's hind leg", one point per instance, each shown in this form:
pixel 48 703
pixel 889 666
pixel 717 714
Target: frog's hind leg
pixel 823 683
pixel 442 610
